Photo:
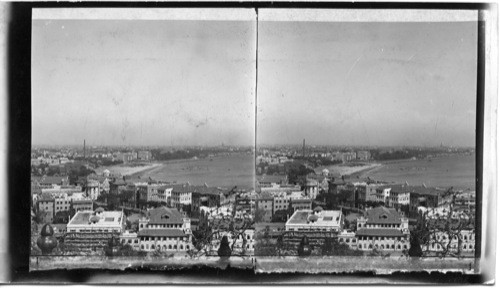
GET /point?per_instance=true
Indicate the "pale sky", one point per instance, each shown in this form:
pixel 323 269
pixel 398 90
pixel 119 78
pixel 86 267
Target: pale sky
pixel 165 82
pixel 367 83
pixel 141 82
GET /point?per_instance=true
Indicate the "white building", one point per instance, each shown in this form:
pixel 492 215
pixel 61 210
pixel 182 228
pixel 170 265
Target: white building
pixel 97 221
pixel 315 220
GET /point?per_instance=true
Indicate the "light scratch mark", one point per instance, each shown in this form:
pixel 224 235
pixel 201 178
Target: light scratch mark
pixel 353 65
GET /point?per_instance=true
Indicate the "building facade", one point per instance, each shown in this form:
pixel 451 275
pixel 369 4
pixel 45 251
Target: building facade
pixel 383 229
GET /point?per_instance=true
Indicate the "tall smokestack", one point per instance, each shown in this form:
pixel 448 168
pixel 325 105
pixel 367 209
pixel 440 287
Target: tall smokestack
pixel 84 155
pixel 304 148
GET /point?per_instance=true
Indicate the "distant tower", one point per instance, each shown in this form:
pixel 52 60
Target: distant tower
pixel 84 155
pixel 304 148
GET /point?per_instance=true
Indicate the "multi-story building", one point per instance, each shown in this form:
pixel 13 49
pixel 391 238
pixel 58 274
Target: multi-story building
pixel 312 188
pixel 181 195
pixel 90 231
pixel 382 194
pixel 244 204
pixel 382 229
pixel 46 205
pixel 281 202
pixel 264 204
pixel 155 192
pixel 370 192
pixel 62 203
pixel 165 229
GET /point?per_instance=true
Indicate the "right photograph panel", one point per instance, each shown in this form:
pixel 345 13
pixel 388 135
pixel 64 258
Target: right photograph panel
pixel 366 141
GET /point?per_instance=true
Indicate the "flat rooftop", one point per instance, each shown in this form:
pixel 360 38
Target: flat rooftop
pixel 322 218
pixel 106 218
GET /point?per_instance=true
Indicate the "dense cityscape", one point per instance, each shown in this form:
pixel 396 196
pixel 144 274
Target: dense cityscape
pixel 297 206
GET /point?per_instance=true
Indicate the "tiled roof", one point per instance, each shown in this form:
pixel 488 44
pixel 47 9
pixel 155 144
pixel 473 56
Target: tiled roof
pixel 164 215
pixel 383 215
pixel 379 232
pixel 161 232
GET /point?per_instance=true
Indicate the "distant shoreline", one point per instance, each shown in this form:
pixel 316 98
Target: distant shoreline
pixel 125 170
pixel 347 170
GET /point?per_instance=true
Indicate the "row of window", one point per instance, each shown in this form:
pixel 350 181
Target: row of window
pixel 380 225
pixel 437 246
pixel 142 225
pixel 163 248
pixel 161 238
pixel 347 240
pixel 444 237
pixel 130 241
pixel 316 229
pixel 94 230
pixel 380 238
pixel 280 201
pixel 382 246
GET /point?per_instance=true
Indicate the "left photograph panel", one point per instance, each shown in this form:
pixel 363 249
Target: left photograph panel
pixel 143 136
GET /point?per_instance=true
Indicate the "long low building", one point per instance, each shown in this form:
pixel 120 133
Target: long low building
pixel 165 239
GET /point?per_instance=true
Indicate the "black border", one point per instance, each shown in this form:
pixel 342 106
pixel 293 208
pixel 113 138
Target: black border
pixel 19 147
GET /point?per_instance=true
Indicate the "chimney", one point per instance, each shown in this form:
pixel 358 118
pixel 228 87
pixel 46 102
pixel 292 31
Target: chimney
pixel 84 155
pixel 304 148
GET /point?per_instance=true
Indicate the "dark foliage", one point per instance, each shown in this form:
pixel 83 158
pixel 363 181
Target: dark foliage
pixel 224 249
